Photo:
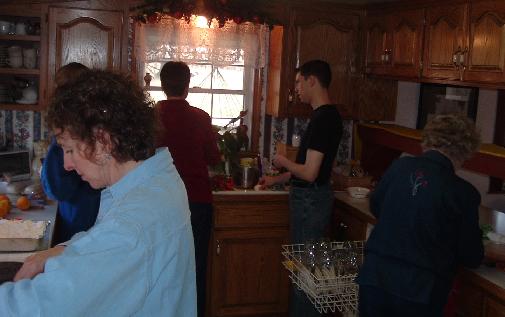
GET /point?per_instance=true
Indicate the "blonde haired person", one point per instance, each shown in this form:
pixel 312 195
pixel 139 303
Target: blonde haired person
pixel 427 225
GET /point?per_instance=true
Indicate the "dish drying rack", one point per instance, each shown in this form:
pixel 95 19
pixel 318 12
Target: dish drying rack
pixel 326 290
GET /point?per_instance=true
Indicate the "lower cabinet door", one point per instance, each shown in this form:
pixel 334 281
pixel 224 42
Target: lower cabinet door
pixel 247 276
pixel 494 308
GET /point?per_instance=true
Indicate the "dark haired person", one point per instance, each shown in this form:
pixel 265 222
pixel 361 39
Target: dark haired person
pixel 187 132
pixel 138 258
pixel 428 224
pixel 311 196
pixel 78 202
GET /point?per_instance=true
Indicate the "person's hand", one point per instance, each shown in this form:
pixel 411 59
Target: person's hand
pixel 266 181
pixel 279 161
pixel 34 264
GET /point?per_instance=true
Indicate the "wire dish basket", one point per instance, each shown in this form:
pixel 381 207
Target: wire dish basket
pixel 327 289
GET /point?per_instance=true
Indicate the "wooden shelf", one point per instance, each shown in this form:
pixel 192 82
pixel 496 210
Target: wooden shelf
pixel 13 37
pixel 20 71
pixel 18 106
pixel 384 142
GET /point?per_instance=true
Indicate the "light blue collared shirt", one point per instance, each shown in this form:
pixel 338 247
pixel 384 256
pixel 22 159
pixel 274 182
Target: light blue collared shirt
pixel 138 259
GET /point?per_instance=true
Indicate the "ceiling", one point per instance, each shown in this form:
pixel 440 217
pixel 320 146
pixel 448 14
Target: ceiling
pixel 360 2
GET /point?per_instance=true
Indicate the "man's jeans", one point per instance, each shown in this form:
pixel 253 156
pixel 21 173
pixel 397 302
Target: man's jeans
pixel 310 213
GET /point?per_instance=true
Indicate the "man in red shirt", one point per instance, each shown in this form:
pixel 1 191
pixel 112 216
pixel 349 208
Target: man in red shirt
pixel 188 134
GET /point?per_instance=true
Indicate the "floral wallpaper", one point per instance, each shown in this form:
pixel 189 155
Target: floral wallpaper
pixel 19 129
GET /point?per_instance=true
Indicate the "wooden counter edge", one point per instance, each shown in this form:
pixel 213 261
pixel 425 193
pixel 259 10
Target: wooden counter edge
pixel 488 286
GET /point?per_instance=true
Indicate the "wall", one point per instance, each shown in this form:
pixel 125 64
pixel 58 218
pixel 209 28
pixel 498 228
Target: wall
pixel 406 115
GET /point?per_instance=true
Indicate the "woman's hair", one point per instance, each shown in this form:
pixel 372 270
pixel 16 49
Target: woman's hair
pixel 175 77
pixel 453 134
pixel 103 100
pixel 69 73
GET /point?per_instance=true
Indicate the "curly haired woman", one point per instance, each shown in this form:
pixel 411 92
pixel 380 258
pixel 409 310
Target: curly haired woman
pixel 138 259
pixel 427 225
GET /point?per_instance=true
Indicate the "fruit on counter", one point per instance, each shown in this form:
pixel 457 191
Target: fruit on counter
pixel 23 203
pixel 5 205
pixel 4 208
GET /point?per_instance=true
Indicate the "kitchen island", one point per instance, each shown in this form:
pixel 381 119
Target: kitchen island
pixel 481 291
pixel 245 274
pixel 45 213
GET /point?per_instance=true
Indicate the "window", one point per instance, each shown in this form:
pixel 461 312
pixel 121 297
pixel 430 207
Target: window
pixel 221 91
pixel 222 62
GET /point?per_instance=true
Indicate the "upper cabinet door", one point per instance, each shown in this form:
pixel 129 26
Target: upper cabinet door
pixel 406 43
pixel 90 37
pixel 485 60
pixel 336 43
pixel 394 43
pixel 376 50
pixel 332 36
pixel 445 40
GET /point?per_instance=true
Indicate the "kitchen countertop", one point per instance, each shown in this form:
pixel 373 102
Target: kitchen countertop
pixel 250 192
pixel 361 209
pixel 47 213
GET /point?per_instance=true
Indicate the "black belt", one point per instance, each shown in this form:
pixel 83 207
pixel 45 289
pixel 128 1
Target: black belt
pixel 305 184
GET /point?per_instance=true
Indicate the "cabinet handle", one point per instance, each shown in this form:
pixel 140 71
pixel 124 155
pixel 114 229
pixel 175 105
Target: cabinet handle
pixel 290 95
pixel 456 57
pixel 462 57
pixel 218 248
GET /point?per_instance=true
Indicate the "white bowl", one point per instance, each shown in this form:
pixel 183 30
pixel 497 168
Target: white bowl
pixel 358 192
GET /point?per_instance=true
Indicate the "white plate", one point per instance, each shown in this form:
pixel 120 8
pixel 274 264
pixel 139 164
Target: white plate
pixel 26 102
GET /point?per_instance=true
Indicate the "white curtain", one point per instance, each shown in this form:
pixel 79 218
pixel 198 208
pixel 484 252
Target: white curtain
pixel 172 39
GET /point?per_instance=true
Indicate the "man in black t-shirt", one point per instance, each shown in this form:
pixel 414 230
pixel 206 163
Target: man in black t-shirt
pixel 311 196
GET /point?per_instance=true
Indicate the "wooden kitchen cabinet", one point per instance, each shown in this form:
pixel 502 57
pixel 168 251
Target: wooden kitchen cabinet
pixel 245 269
pixel 348 227
pixel 476 297
pixel 394 43
pixel 12 77
pixel 93 35
pixel 485 59
pixel 329 34
pixel 446 28
pixel 466 42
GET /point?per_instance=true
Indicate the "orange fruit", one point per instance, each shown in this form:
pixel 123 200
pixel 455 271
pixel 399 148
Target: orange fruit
pixel 4 208
pixel 23 203
pixel 4 197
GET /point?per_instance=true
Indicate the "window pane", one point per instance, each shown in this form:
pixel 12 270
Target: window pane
pixel 221 122
pixel 157 95
pixel 229 77
pixel 200 75
pixel 154 69
pixel 199 100
pixel 227 106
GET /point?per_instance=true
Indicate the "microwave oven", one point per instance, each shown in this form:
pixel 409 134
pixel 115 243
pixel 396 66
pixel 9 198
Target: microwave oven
pixel 15 165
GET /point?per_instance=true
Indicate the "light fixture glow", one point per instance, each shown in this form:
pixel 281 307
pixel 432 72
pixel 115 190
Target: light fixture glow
pixel 201 22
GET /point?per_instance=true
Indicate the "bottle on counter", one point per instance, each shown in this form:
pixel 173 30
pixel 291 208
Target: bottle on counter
pixel 260 165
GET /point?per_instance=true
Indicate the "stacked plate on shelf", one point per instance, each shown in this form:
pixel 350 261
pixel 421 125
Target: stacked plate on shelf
pixel 3 56
pixel 3 93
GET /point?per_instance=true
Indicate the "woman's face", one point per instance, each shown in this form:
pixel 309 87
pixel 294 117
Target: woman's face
pixel 74 158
